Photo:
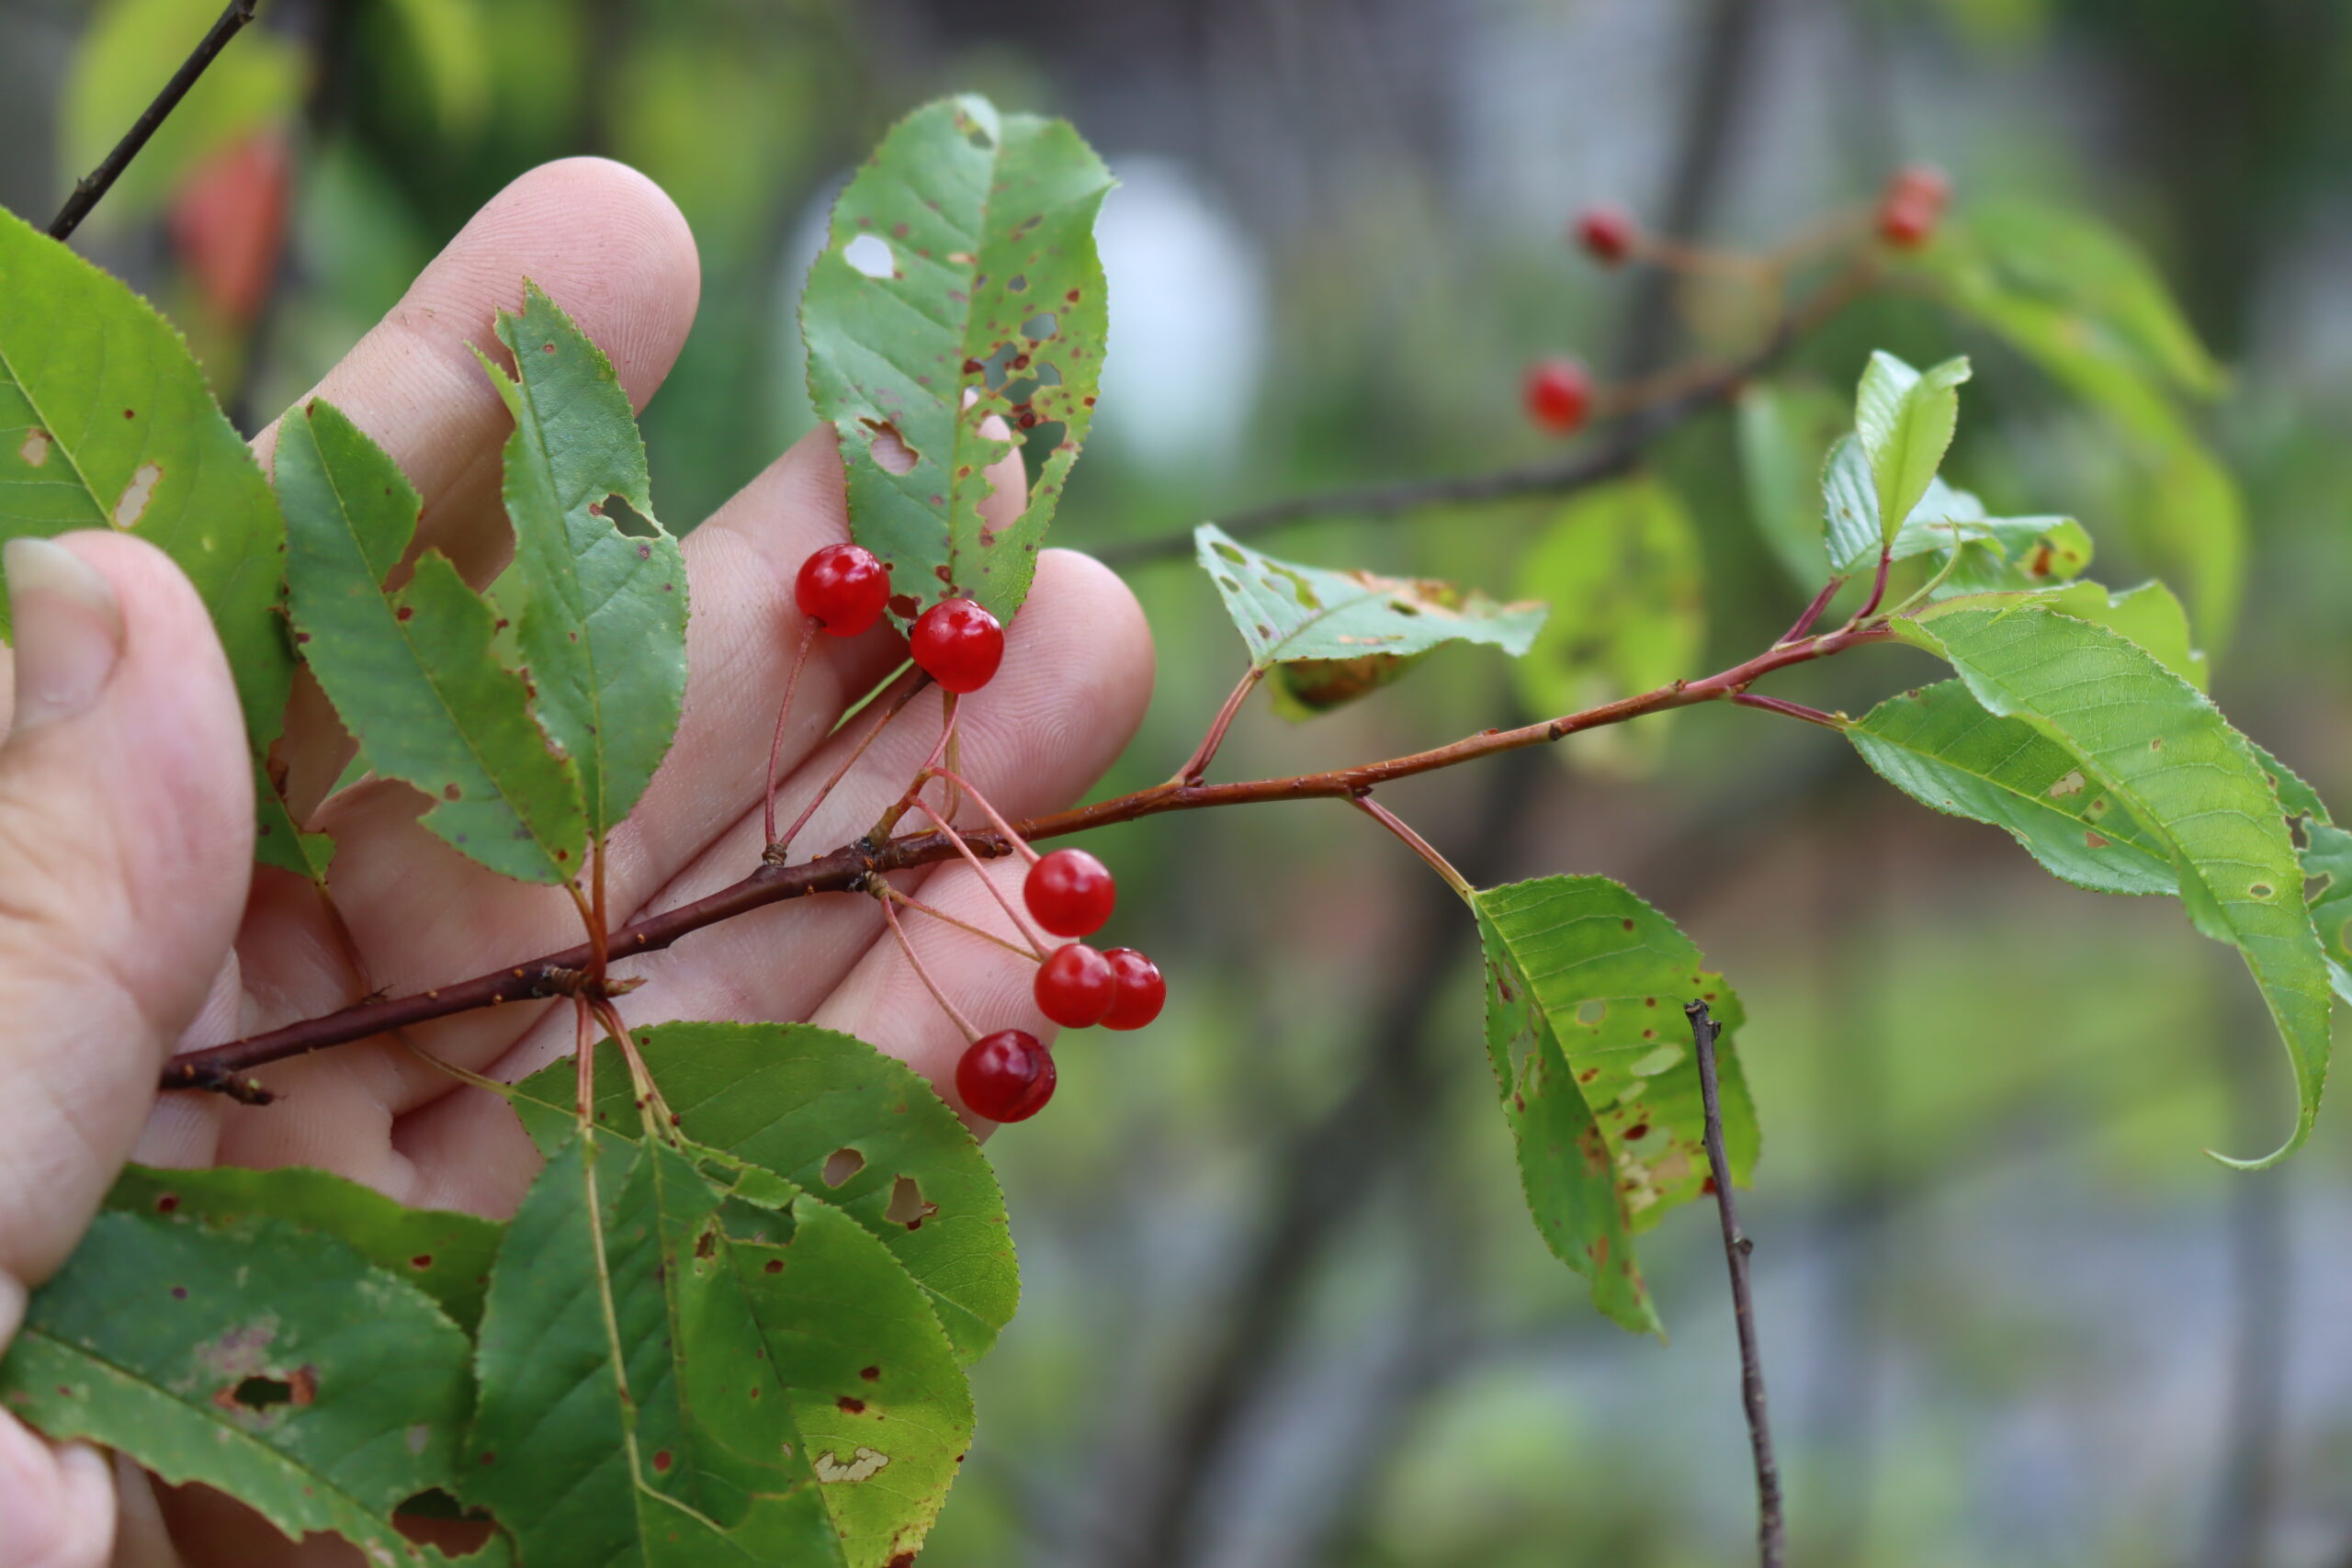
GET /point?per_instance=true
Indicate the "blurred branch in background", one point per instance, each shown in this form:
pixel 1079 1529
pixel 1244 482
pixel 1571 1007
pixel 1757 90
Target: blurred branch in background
pixel 98 181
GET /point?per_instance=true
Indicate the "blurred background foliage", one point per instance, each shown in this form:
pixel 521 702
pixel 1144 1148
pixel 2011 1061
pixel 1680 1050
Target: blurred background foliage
pixel 1283 1305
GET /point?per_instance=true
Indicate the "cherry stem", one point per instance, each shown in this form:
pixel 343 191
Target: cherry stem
pixel 775 746
pixel 658 1121
pixel 907 802
pixel 1793 710
pixel 463 1075
pixel 598 943
pixel 1414 842
pixel 890 710
pixel 1197 765
pixel 1811 612
pixel 911 902
pixel 890 913
pixel 584 1062
pixel 1004 902
pixel 996 819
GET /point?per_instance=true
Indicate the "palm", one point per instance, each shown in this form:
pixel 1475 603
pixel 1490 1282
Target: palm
pixel 417 914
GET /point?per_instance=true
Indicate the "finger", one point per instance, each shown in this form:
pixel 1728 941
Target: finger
pixel 56 1503
pixel 610 248
pixel 126 829
pixel 1076 678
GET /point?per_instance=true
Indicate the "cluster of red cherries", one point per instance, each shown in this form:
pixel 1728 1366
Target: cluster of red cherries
pixel 1007 1075
pixel 1558 391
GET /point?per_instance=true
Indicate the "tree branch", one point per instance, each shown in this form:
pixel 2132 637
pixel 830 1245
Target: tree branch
pixel 224 1069
pixel 1770 1536
pixel 98 181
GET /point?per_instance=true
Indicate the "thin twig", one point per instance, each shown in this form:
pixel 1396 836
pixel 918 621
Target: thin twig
pixel 848 867
pixel 1414 842
pixel 1196 766
pixel 775 743
pixel 1793 710
pixel 1771 1540
pixel 890 913
pixel 98 181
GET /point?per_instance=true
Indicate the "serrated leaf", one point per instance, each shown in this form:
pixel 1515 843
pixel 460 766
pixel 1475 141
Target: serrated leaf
pixel 2150 615
pixel 443 1253
pixel 859 1129
pixel 2010 554
pixel 2327 859
pixel 1904 419
pixel 626 1413
pixel 1938 746
pixel 1585 1030
pixel 411 670
pixel 131 49
pixel 1785 433
pixel 603 628
pixel 2167 757
pixel 271 1362
pixel 959 284
pixel 106 421
pixel 1286 612
pixel 1620 567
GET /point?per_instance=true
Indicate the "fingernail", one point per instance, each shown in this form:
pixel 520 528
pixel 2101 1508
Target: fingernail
pixel 67 627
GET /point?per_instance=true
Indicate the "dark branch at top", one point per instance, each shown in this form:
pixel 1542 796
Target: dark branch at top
pixel 98 181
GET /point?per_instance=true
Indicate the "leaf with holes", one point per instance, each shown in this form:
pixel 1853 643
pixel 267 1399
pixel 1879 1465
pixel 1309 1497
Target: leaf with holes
pixel 1591 1050
pixel 956 314
pixel 445 1253
pixel 1904 420
pixel 653 1385
pixel 271 1362
pixel 855 1128
pixel 104 422
pixel 1621 568
pixel 603 628
pixel 2155 744
pixel 1286 613
pixel 2327 862
pixel 411 670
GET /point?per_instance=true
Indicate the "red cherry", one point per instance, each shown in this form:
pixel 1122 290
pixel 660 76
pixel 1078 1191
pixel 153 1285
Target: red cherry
pixel 959 644
pixel 1142 991
pixel 1905 225
pixel 1914 201
pixel 1922 184
pixel 1006 1076
pixel 1070 893
pixel 1607 233
pixel 1559 394
pixel 1075 987
pixel 842 588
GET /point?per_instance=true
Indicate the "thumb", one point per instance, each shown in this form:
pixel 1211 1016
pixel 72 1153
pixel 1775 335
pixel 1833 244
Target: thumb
pixel 126 830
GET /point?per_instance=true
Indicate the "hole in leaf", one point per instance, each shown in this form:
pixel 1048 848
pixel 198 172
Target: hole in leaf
pixel 1017 283
pixel 889 449
pixel 1040 327
pixel 870 254
pixel 261 1392
pixel 1592 1011
pixel 907 1205
pixel 842 1164
pixel 136 494
pixel 976 136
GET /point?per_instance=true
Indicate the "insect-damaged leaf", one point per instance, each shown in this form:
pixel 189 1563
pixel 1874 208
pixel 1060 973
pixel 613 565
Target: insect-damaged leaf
pixel 859 1129
pixel 1621 568
pixel 411 670
pixel 1287 614
pixel 1585 1030
pixel 105 423
pixel 271 1362
pixel 655 1390
pixel 443 1253
pixel 2153 743
pixel 603 623
pixel 959 287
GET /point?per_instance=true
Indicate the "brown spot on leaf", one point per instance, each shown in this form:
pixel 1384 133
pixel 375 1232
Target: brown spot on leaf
pixel 851 1406
pixel 774 1266
pixel 35 451
pixel 136 495
pixel 870 1374
pixel 660 1460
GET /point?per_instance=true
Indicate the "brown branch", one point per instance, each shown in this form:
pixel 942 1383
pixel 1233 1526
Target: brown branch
pixel 222 1068
pixel 1771 1538
pixel 98 181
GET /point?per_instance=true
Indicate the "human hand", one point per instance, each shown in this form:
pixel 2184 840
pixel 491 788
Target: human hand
pixel 128 923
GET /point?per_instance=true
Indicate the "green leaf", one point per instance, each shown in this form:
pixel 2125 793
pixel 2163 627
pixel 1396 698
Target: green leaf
pixel 1938 746
pixel 1621 568
pixel 2155 744
pixel 2327 859
pixel 1592 1055
pixel 411 670
pixel 1849 515
pixel 603 613
pixel 130 51
pixel 855 1128
pixel 959 285
pixel 271 1362
pixel 1286 613
pixel 445 1253
pixel 2150 615
pixel 104 422
pixel 1904 419
pixel 1785 433
pixel 626 1412
pixel 2007 554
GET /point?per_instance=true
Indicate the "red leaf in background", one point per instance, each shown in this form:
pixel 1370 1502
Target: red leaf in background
pixel 228 223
